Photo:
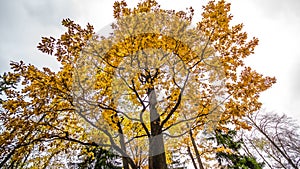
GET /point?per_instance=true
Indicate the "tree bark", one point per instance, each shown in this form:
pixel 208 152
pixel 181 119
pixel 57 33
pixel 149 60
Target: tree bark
pixel 157 156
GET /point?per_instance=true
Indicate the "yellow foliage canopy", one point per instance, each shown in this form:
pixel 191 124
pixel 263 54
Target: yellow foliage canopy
pixel 154 76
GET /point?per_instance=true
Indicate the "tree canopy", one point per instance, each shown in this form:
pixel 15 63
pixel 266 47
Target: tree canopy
pixel 143 92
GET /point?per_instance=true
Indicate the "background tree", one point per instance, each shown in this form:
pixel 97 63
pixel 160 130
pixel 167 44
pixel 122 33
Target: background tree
pixel 166 79
pixel 275 139
pixel 221 149
pixel 233 158
pixel 101 159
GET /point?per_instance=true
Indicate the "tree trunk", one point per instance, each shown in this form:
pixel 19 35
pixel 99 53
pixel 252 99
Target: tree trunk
pixel 191 156
pixel 122 143
pixel 157 156
pixel 123 147
pixel 196 150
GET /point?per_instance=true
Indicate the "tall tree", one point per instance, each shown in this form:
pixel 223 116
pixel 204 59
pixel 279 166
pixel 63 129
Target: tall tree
pixel 153 80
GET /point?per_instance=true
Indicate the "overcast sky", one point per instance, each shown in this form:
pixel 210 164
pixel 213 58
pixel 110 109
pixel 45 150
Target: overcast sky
pixel 275 22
